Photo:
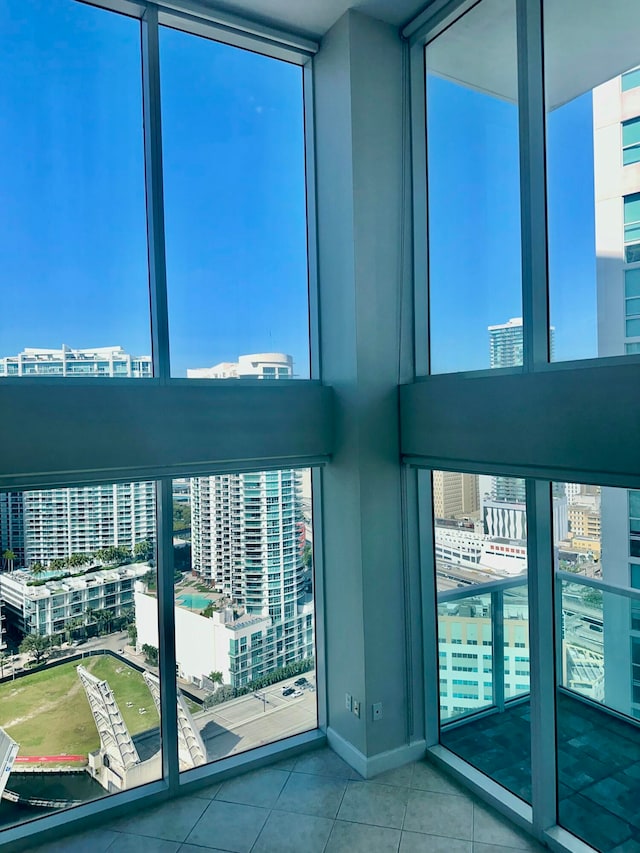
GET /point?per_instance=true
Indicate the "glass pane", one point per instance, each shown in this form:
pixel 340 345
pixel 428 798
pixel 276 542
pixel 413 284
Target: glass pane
pixel 631 79
pixel 593 200
pixel 632 306
pixel 483 624
pixel 632 233
pixel 631 155
pixel 631 131
pixel 473 172
pixel 632 282
pixel 79 715
pixel 597 700
pixel 72 224
pixel 244 610
pixel 235 210
pixel 633 328
pixel 632 208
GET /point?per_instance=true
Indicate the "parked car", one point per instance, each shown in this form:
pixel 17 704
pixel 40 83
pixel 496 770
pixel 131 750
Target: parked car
pixel 301 682
pixel 288 691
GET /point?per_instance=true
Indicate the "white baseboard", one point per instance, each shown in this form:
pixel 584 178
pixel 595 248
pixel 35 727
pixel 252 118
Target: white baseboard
pixel 371 766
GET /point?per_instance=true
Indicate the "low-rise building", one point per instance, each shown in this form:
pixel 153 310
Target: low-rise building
pixel 48 607
pixel 242 649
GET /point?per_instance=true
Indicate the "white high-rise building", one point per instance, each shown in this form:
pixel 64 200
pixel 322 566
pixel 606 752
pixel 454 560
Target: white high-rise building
pixel 247 539
pixel 11 528
pixel 96 361
pixel 42 525
pixel 80 520
pixel 616 141
pixel 261 365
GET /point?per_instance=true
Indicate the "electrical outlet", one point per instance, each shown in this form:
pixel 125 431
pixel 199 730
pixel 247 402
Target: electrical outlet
pixel 348 702
pixel 356 707
pixel 377 710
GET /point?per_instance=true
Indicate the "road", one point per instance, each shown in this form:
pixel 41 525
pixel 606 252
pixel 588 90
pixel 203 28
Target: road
pixel 257 718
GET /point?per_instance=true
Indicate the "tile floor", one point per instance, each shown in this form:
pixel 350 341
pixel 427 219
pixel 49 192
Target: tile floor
pixel 313 804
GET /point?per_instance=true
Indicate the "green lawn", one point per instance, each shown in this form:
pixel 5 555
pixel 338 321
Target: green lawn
pixel 47 712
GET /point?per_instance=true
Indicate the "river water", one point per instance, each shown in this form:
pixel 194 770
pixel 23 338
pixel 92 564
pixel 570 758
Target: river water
pixel 46 786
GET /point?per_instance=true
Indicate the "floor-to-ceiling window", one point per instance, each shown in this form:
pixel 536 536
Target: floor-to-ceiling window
pixel 156 533
pixel 525 138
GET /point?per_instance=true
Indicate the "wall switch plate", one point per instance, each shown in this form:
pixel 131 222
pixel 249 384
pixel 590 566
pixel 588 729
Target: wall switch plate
pixel 377 710
pixel 356 707
pixel 348 702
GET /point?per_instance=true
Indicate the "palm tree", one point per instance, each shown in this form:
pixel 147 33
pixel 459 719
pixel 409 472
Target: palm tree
pixel 37 568
pixel 8 556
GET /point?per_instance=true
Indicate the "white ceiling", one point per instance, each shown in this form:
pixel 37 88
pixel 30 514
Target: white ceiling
pixel 314 17
pixel 586 43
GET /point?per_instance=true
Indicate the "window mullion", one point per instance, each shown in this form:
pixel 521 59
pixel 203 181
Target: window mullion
pixel 533 187
pixel 542 655
pixel 155 194
pixel 418 120
pixel 429 608
pixel 166 634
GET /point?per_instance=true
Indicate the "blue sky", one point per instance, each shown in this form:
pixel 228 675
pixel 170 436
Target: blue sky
pixel 475 259
pixel 73 262
pixel 73 254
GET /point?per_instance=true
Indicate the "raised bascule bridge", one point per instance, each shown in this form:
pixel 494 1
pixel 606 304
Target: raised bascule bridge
pixel 117 764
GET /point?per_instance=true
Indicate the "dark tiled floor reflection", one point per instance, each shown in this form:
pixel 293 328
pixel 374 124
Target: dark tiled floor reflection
pixel 499 745
pixel 598 767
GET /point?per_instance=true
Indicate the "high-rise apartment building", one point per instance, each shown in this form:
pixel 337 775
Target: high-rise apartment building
pixel 508 489
pixel 43 525
pixel 12 528
pixel 505 342
pixel 616 141
pixel 247 539
pixel 96 361
pixel 80 520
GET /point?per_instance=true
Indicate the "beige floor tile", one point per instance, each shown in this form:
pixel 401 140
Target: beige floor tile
pixel 314 795
pixel 439 814
pixel 377 805
pixel 229 826
pixel 324 762
pixel 360 838
pixel 260 788
pixel 171 821
pixel 417 842
pixel 292 833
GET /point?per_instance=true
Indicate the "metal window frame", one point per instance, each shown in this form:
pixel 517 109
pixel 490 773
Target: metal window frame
pixel 541 817
pixel 253 452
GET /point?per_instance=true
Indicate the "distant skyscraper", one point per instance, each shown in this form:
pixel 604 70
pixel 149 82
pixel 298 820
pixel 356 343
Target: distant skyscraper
pixel 511 489
pixel 455 494
pixel 505 343
pixel 506 346
pixel 505 350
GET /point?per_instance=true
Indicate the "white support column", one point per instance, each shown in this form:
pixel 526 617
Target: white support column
pixel 359 162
